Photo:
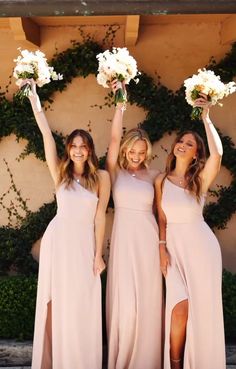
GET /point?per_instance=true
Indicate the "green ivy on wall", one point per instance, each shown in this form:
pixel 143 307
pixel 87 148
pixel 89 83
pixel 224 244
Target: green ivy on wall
pixel 166 112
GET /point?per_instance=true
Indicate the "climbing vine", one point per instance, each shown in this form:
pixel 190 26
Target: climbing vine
pixel 166 110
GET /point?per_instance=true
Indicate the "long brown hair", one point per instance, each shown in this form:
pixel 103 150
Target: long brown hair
pixel 66 168
pixel 132 136
pixel 192 175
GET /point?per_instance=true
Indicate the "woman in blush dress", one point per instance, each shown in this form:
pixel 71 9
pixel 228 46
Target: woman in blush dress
pixel 190 253
pixel 134 285
pixel 68 329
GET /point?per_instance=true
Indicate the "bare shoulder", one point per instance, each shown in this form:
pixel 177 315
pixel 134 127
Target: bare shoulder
pixel 103 176
pixel 159 179
pixel 153 173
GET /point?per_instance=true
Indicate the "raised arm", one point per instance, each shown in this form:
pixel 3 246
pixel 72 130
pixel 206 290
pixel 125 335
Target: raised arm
pixel 213 163
pixel 115 138
pixel 100 220
pixel 161 218
pixel 48 140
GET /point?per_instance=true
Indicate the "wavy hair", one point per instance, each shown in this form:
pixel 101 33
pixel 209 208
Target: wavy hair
pixel 66 167
pixel 192 175
pixel 127 143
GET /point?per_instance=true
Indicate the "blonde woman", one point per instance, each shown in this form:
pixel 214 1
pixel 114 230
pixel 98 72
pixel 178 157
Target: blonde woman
pixel 68 331
pixel 134 286
pixel 190 253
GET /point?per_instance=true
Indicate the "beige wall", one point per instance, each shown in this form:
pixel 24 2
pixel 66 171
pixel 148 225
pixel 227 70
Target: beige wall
pixel 170 46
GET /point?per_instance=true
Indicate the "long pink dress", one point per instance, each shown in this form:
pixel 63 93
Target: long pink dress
pixel 66 279
pixel 134 285
pixel 195 274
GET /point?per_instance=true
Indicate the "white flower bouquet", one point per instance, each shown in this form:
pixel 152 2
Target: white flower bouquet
pixel 208 83
pixel 33 65
pixel 116 64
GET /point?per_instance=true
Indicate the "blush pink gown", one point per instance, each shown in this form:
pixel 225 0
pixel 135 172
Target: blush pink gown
pixel 66 280
pixel 195 274
pixel 134 285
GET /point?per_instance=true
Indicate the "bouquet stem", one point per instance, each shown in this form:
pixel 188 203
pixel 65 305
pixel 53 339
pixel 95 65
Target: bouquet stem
pixel 120 95
pixel 24 92
pixel 196 113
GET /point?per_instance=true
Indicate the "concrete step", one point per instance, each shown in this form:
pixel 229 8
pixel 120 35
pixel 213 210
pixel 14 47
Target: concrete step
pixel 17 355
pixel 28 367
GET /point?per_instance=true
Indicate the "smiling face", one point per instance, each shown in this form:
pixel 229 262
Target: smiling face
pixel 136 154
pixel 186 147
pixel 78 151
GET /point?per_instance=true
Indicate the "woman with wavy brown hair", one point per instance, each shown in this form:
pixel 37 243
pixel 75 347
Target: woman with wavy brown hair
pixel 189 252
pixel 68 330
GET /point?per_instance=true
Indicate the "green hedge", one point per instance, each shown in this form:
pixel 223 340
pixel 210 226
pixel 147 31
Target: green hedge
pixel 17 306
pixel 229 304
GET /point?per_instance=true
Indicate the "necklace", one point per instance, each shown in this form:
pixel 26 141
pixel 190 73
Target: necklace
pixel 179 180
pixel 133 174
pixel 77 179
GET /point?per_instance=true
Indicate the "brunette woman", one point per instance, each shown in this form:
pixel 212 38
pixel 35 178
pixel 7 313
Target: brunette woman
pixel 190 253
pixel 68 331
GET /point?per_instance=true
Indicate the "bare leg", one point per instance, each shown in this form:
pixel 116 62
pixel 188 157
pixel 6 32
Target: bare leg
pixel 178 334
pixel 47 347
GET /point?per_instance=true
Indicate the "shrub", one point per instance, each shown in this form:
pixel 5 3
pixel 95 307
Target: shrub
pixel 18 297
pixel 229 304
pixel 17 307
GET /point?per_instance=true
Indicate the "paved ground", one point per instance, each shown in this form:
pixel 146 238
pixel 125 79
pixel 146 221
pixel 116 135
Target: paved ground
pixel 12 351
pixel 28 367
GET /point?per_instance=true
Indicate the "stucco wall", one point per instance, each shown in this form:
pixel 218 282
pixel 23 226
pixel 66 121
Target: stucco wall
pixel 173 48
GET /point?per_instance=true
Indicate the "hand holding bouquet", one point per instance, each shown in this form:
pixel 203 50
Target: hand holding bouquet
pixel 116 65
pixel 33 65
pixel 207 83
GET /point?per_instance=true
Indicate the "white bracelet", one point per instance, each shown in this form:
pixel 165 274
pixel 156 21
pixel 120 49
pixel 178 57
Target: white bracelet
pixel 38 111
pixel 121 108
pixel 162 242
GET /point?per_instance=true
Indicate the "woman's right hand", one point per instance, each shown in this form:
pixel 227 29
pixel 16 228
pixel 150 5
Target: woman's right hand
pixel 164 259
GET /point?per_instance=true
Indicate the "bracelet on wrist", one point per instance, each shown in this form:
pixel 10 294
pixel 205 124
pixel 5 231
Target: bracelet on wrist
pixel 162 242
pixel 38 111
pixel 122 107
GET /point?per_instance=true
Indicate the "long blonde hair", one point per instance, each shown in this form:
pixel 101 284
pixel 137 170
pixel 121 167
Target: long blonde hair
pixel 192 175
pixel 127 143
pixel 66 167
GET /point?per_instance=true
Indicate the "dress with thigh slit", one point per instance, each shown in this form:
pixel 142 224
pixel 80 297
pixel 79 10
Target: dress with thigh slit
pixel 195 274
pixel 66 281
pixel 134 285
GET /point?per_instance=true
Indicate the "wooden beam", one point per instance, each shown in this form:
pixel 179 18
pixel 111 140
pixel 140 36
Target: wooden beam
pixel 131 29
pixel 228 30
pixel 30 8
pixel 24 29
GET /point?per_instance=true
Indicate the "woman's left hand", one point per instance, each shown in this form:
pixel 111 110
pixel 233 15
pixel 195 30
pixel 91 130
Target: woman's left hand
pixel 204 103
pixel 98 265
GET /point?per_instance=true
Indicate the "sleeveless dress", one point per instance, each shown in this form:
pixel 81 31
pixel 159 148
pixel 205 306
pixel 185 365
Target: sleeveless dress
pixel 195 274
pixel 134 284
pixel 66 279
